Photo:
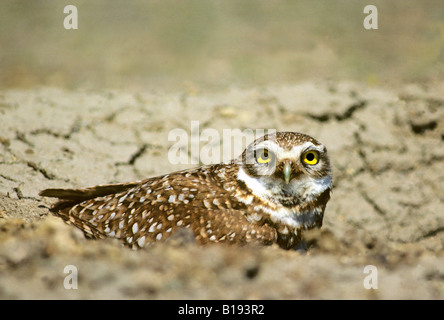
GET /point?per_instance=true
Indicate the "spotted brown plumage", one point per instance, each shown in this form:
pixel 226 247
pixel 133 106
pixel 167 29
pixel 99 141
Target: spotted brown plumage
pixel 279 186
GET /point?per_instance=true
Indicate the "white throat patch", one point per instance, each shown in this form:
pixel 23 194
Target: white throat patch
pixel 307 188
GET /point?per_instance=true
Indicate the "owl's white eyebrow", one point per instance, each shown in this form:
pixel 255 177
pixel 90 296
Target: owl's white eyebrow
pixel 305 146
pixel 270 145
pixel 296 151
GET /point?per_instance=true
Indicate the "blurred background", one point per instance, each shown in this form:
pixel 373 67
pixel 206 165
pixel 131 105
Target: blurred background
pixel 170 44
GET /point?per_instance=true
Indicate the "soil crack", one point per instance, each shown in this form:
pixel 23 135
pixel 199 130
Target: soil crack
pixel 75 127
pixel 347 114
pixel 43 171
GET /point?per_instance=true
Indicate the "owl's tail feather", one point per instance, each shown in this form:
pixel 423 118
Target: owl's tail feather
pixel 70 197
pixel 87 193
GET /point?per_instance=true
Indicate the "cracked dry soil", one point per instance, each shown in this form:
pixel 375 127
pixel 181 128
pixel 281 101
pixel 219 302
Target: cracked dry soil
pixel 387 150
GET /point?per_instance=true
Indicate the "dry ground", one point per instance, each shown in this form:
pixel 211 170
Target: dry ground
pixel 387 207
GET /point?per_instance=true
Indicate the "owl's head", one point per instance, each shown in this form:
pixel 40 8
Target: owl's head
pixel 286 165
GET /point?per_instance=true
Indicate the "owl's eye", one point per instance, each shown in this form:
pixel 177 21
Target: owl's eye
pixel 310 157
pixel 263 156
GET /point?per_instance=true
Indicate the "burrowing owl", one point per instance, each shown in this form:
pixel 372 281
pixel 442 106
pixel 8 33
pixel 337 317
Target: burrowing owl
pixel 277 187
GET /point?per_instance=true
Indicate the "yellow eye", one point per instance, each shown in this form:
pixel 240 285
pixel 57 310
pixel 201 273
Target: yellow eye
pixel 310 157
pixel 263 156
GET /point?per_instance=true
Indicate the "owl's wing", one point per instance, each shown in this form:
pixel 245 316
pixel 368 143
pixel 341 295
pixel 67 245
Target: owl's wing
pixel 230 226
pixel 151 210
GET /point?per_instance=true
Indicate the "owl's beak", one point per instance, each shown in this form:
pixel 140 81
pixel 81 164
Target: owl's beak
pixel 287 172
